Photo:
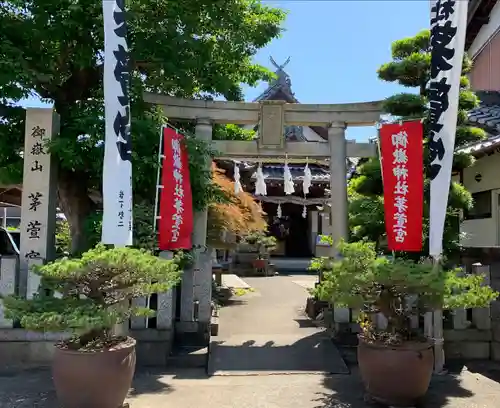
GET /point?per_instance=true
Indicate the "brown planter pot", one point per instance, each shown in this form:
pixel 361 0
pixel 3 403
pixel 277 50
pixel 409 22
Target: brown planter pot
pixel 396 375
pixel 98 379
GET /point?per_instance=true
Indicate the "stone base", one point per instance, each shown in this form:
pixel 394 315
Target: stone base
pixel 468 344
pixel 473 350
pixel 314 307
pixel 192 334
pixel 153 346
pixel 21 347
pixel 495 351
pixel 21 353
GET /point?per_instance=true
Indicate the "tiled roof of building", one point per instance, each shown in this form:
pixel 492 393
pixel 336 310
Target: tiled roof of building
pixel 478 147
pixel 486 116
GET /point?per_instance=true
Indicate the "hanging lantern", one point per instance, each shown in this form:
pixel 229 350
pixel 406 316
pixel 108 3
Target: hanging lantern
pixel 288 180
pixel 260 183
pixel 304 212
pixel 279 213
pixel 237 183
pixel 307 179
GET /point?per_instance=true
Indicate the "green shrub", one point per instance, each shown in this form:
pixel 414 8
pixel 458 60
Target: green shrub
pixel 260 241
pixel 89 295
pixel 397 288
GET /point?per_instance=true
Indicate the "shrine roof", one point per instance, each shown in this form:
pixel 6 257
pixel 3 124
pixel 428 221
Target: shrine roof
pixel 280 89
pixel 319 174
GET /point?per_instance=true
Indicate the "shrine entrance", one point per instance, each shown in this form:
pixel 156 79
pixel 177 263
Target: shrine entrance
pixel 296 243
pixel 291 230
pixel 322 141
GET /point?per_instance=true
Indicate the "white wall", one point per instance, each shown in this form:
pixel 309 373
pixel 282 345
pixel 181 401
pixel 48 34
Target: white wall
pixel 479 233
pixel 489 168
pixel 483 232
pixel 487 31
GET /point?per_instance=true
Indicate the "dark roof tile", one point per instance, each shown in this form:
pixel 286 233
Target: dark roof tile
pixel 487 115
pixel 319 174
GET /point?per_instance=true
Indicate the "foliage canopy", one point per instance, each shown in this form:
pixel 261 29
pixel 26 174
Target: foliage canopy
pixel 238 213
pixel 53 49
pixel 410 67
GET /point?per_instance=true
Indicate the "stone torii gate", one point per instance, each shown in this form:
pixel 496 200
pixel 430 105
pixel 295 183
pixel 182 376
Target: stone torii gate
pixel 271 116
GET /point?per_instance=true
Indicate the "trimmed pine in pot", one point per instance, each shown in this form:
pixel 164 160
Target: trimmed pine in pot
pixel 85 298
pixel 396 362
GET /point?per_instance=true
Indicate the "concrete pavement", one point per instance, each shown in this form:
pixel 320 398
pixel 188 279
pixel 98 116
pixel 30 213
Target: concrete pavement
pixel 194 389
pixel 267 332
pixel 474 388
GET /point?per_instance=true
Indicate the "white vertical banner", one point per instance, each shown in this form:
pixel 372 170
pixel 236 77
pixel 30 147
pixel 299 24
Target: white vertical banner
pixel 117 170
pixel 448 26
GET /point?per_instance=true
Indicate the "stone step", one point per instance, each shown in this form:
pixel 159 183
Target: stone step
pixel 188 357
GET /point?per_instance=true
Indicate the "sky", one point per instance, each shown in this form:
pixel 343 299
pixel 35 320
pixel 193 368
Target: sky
pixel 336 48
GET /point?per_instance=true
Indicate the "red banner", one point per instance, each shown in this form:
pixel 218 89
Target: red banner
pixel 176 207
pixel 401 148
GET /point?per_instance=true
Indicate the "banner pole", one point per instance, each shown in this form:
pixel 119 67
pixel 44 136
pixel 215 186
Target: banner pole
pixel 378 126
pixel 437 329
pixel 158 180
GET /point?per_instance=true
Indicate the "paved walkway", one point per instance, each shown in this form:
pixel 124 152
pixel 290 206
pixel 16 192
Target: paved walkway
pixel 234 282
pixel 266 332
pixel 193 389
pixel 474 388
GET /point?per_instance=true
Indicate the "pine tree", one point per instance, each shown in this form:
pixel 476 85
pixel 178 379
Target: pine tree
pixel 410 67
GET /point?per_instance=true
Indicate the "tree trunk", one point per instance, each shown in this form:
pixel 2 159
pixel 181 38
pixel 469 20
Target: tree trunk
pixel 76 205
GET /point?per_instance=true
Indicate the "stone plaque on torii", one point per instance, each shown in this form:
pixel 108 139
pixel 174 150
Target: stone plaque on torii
pixel 272 117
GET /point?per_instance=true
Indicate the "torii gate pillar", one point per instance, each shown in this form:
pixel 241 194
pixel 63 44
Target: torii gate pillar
pixel 196 286
pixel 338 184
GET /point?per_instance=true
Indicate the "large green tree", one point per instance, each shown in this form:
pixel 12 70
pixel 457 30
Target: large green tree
pixel 53 49
pixel 410 67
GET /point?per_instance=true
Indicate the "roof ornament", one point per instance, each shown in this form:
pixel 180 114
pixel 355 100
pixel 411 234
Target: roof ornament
pixel 278 66
pixel 283 78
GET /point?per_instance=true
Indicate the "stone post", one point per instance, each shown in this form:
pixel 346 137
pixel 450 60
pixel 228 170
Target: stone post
pixel 314 226
pixel 338 200
pixel 38 207
pixel 338 184
pixel 166 303
pixel 196 286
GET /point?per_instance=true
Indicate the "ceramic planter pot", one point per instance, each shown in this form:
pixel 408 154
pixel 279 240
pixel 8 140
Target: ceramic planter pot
pixel 396 376
pixel 99 379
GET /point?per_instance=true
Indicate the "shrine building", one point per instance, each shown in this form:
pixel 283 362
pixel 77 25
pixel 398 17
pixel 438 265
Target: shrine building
pixel 296 220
